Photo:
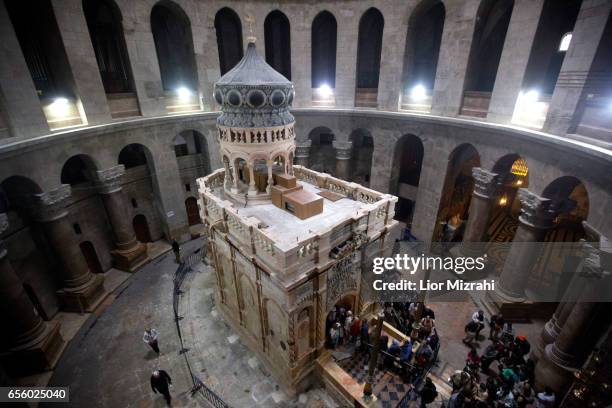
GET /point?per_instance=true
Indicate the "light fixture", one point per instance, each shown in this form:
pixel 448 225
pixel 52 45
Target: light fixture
pixel 531 96
pixel 418 92
pixel 59 106
pixel 503 201
pixel 183 92
pixel 325 91
pixel 565 42
pixel 519 182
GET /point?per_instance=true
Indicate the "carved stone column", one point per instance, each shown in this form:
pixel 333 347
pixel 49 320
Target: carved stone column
pixel 269 165
pixel 535 220
pixel 30 345
pixel 485 191
pixel 585 323
pixel 82 290
pixel 252 187
pixel 343 159
pixel 302 152
pixel 130 254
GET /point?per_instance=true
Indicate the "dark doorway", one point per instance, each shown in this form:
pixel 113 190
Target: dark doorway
pixel 141 228
pixel 91 257
pixel 193 213
pixel 324 32
pixel 229 38
pixel 278 42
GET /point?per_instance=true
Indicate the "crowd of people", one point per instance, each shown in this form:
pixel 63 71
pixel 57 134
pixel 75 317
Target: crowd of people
pixel 508 383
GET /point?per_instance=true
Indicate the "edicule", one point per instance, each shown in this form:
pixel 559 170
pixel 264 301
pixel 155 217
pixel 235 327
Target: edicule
pixel 287 243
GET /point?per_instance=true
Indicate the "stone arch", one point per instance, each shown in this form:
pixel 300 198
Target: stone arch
pixel 277 31
pixel 323 42
pixel 78 169
pixel 369 49
pixel 570 200
pixel 408 156
pixel 249 306
pixel 456 193
pixel 229 38
pixel 322 153
pixel 423 39
pixel 361 155
pixel 173 39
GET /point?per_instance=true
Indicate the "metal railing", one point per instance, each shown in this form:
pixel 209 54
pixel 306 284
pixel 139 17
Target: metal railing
pixel 179 277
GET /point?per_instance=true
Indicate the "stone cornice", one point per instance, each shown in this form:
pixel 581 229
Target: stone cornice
pixel 486 183
pixel 109 180
pixel 50 205
pixel 536 211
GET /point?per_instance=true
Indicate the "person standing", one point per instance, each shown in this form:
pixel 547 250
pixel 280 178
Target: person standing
pixel 160 382
pixel 334 335
pixel 150 337
pixel 428 392
pixel 176 248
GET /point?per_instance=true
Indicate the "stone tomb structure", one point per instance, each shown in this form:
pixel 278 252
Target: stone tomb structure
pixel 278 275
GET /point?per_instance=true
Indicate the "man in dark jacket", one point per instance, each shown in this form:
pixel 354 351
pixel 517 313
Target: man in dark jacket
pixel 428 393
pixel 176 248
pixel 160 381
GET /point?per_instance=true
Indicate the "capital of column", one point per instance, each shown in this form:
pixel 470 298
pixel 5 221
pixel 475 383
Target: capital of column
pixel 108 181
pixel 343 149
pixel 302 149
pixel 486 183
pixel 50 205
pixel 536 211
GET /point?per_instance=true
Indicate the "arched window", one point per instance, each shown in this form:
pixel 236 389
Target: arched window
pixel 423 40
pixel 369 48
pixel 106 32
pixel 324 34
pixel 174 45
pixel 278 42
pixel 229 38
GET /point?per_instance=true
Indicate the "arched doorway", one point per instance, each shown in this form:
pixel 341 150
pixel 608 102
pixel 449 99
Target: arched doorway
pixel 278 42
pixel 369 47
pixel 338 314
pixel 229 38
pixel 492 23
pixel 456 194
pixel 423 40
pixel 361 156
pixel 322 154
pixel 91 257
pixel 405 176
pixel 141 228
pixel 193 212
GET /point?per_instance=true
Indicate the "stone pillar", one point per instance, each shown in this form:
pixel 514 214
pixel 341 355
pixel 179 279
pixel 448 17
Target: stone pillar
pixel 454 54
pixel 130 254
pixel 346 59
pixel 227 176
pixel 486 186
pixel 269 164
pixel 301 36
pixel 21 103
pixel 82 290
pixel 535 220
pixel 513 62
pixel 573 78
pixel 343 159
pixel 391 59
pixel 82 60
pixel 551 329
pixel 302 152
pixel 252 188
pixel 31 344
pixel 582 328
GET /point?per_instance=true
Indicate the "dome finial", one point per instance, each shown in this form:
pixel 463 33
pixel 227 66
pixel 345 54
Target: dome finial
pixel 250 20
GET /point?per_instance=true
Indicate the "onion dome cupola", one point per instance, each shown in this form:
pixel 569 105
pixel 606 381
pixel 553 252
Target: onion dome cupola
pixel 255 128
pixel 253 94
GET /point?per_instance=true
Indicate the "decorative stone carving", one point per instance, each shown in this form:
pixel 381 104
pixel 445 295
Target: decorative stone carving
pixel 486 183
pixel 50 205
pixel 343 149
pixel 341 279
pixel 536 211
pixel 109 180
